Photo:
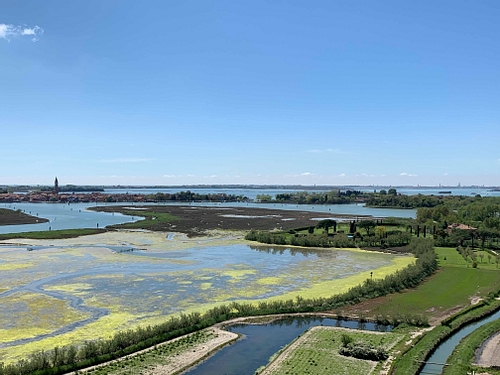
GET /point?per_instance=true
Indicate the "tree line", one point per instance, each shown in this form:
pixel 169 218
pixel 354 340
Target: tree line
pixel 189 196
pixel 305 197
pixel 372 234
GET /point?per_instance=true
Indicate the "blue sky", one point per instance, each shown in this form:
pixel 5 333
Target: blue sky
pixel 263 92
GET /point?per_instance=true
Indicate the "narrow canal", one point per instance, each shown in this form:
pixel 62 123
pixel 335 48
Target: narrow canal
pixel 444 350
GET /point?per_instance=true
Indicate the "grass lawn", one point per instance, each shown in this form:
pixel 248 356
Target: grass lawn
pixel 451 287
pixel 317 352
pixel 450 257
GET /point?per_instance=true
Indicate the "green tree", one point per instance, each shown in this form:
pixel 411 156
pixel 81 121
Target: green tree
pixel 367 225
pixel 326 224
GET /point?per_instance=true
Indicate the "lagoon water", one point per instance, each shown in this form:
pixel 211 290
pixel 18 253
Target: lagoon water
pixel 145 286
pixel 62 216
pixel 76 215
pixel 252 193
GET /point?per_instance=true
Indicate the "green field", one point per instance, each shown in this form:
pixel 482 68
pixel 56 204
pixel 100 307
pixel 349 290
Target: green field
pixel 317 352
pixel 455 283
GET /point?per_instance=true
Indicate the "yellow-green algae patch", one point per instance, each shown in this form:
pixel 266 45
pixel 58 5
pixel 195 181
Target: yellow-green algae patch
pixel 75 289
pixel 149 240
pixel 14 266
pixel 27 315
pixel 238 274
pixel 270 280
pixel 338 286
pixel 323 289
pixel 205 286
pixel 108 324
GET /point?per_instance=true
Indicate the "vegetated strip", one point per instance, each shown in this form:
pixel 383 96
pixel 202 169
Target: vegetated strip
pixel 318 351
pixel 412 361
pixel 464 352
pixel 70 358
pixel 52 234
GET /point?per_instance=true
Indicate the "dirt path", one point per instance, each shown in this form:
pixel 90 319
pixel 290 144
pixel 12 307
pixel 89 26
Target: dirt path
pixel 186 359
pixel 490 356
pixel 196 353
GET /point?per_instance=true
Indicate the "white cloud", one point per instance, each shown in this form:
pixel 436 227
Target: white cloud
pixel 407 174
pixel 8 32
pixel 342 175
pixel 169 175
pixel 306 174
pixel 126 160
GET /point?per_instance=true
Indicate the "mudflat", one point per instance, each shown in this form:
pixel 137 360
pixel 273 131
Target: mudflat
pixel 195 220
pixel 11 217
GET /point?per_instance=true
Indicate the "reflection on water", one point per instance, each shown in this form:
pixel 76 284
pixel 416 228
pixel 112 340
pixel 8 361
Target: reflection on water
pixel 261 341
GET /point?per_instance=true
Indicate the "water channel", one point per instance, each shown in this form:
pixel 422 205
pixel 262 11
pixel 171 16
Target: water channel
pixel 444 350
pixel 260 342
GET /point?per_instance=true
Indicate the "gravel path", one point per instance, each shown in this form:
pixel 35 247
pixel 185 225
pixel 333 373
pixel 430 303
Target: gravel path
pixel 490 356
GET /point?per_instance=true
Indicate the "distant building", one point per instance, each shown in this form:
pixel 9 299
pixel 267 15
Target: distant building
pixel 459 226
pixel 56 186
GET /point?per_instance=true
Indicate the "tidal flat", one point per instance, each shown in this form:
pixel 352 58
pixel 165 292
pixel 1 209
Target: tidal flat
pixel 97 285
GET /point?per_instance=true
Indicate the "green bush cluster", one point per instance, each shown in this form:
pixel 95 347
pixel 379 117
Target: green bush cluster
pixel 362 350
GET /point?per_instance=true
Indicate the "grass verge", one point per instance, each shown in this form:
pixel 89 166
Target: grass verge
pixel 52 234
pixel 410 362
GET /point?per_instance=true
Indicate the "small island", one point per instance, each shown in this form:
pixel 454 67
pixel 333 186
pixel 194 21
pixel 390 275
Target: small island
pixel 16 217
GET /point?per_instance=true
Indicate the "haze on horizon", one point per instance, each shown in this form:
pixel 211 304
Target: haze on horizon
pixel 263 92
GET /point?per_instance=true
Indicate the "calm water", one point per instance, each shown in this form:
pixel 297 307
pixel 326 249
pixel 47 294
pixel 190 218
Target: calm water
pixel 63 216
pixel 444 350
pixel 252 193
pixel 156 282
pixel 260 342
pixel 75 215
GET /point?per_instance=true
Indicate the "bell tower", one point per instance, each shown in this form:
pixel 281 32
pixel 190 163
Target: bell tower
pixel 56 186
